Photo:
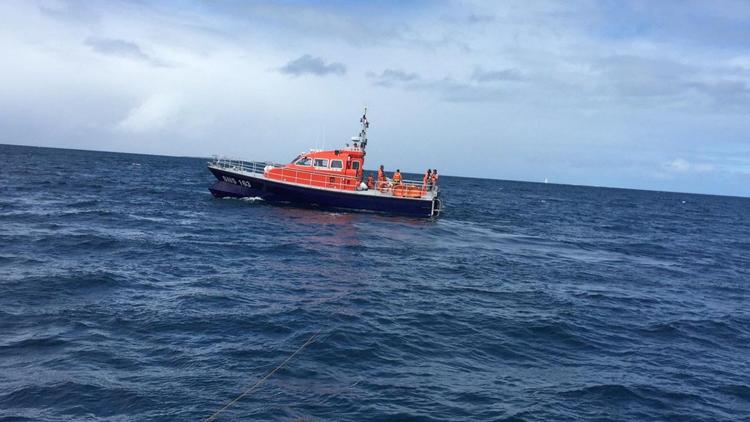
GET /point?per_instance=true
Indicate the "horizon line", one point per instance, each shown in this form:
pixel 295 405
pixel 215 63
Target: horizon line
pixel 442 175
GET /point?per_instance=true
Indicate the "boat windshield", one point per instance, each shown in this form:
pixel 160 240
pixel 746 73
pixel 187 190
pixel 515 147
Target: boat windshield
pixel 304 161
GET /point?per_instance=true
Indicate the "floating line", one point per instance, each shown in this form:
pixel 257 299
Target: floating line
pixel 262 380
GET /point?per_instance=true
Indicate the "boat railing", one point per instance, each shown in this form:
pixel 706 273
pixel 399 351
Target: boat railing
pixel 241 165
pixel 405 188
pixel 328 180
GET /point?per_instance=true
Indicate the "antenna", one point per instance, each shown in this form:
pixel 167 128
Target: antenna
pixel 363 133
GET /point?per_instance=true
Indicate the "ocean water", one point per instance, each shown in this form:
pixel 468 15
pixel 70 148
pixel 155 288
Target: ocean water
pixel 127 293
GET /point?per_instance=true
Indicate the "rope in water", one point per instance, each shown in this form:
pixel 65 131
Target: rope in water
pixel 262 380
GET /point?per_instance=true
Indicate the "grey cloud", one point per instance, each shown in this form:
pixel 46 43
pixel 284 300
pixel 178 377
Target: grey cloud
pixel 447 88
pixel 391 77
pixel 692 23
pixel 315 21
pixel 79 13
pixel 475 18
pixel 460 92
pixel 666 82
pixel 726 94
pixel 481 75
pixel 308 64
pixel 122 48
pixel 633 76
pixel 628 80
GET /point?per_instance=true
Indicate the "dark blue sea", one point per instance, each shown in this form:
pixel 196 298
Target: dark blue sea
pixel 127 292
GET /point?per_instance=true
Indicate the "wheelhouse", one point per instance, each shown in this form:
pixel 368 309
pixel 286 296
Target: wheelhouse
pixel 338 169
pixel 333 169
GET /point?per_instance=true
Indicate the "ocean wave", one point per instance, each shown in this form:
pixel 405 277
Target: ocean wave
pixel 244 199
pixel 144 300
pixel 741 391
pixel 76 399
pixel 34 343
pixel 604 392
pixel 56 285
pixel 77 242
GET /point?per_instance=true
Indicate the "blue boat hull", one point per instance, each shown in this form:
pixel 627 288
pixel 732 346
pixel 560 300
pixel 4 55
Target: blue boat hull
pixel 231 184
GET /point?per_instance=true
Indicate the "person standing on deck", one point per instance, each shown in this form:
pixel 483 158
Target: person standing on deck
pixel 434 179
pixel 427 180
pixel 397 177
pixel 381 177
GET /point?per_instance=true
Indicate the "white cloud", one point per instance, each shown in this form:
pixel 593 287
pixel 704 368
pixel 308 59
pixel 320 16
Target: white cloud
pixel 680 165
pixel 157 112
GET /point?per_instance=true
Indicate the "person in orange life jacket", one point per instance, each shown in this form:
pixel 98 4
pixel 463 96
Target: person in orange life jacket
pixel 434 178
pixel 427 180
pixel 381 176
pixel 397 177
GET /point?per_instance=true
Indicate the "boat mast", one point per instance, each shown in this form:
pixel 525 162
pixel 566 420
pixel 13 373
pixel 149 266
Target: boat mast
pixel 363 132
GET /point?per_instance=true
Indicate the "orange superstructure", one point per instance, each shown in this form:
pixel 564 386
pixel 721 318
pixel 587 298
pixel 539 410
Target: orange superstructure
pixel 336 169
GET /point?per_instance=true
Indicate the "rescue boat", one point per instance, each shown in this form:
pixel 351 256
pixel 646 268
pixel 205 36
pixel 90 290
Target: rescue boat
pixel 326 179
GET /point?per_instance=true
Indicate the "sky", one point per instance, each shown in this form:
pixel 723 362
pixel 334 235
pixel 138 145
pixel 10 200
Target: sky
pixel 634 94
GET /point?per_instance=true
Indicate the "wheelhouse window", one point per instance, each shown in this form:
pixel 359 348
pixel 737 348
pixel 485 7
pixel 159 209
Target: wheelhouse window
pixel 337 164
pixel 321 162
pixel 304 161
pixel 355 165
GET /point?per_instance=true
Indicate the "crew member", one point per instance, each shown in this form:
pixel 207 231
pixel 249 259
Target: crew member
pixel 427 180
pixel 397 177
pixel 381 177
pixel 370 184
pixel 434 178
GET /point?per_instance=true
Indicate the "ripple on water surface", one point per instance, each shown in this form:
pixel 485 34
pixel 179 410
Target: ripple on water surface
pixel 129 293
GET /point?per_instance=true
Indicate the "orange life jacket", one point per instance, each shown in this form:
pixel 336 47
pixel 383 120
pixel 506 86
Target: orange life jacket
pixel 397 177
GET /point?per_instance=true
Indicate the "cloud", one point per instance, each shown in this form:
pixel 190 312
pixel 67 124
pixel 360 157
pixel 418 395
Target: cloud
pixel 156 113
pixel 680 165
pixel 122 48
pixel 462 92
pixel 733 95
pixel 390 77
pixel 476 18
pixel 448 89
pixel 639 76
pixel 79 13
pixel 660 82
pixel 481 75
pixel 308 64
